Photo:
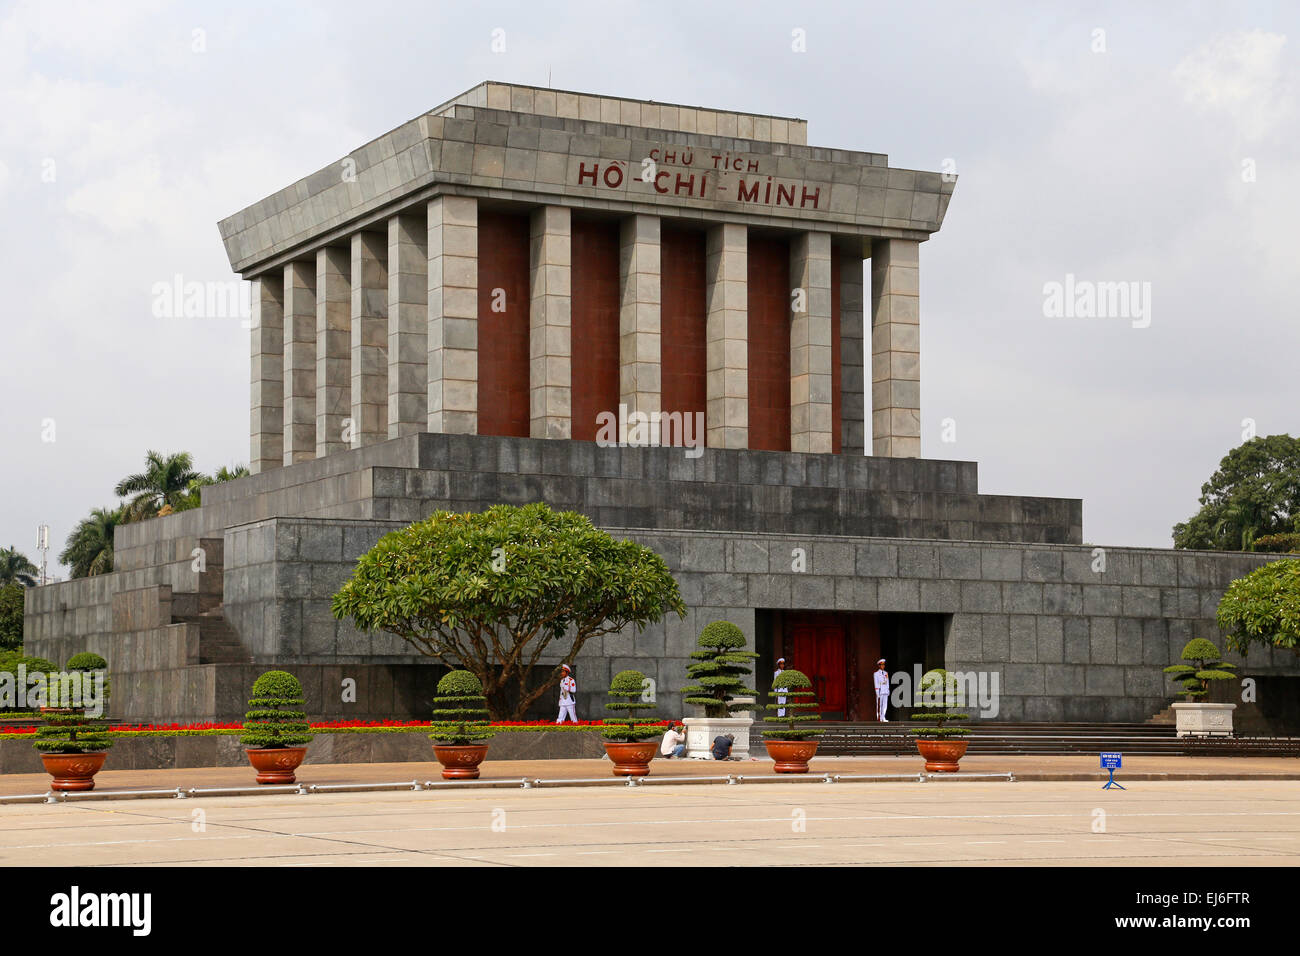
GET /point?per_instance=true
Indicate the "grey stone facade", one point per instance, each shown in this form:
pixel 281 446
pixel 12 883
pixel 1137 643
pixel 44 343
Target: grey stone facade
pixel 1069 642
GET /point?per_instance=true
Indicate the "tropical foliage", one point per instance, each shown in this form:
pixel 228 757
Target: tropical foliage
pixel 89 548
pixel 492 592
pixel 1255 492
pixel 1263 608
pixel 11 616
pixel 15 568
pixel 165 482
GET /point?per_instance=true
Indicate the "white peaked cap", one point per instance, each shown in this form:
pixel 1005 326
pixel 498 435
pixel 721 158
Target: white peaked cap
pixel 881 661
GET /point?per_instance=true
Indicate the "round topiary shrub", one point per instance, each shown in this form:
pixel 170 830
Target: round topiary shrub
pixel 937 691
pixel 626 691
pixel 274 718
pixel 797 690
pixel 86 661
pixel 460 710
pixel 720 664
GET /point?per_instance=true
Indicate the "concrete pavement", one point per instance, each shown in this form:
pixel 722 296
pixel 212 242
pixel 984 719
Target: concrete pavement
pixel 1077 767
pixel 1186 823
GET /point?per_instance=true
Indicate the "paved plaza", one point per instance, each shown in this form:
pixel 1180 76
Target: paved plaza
pixel 1181 823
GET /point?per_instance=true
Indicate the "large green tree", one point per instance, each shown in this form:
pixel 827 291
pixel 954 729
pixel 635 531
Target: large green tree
pixel 164 482
pixel 16 568
pixel 1255 492
pixel 11 616
pixel 89 549
pixel 491 592
pixel 1263 608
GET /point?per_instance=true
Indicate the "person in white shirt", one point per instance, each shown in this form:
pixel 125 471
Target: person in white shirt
pixel 780 669
pixel 882 690
pixel 674 742
pixel 568 696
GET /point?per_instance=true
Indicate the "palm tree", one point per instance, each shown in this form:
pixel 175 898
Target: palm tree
pixel 165 481
pixel 14 567
pixel 90 546
pixel 193 497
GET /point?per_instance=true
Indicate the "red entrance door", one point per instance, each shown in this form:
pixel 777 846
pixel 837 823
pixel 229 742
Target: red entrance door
pixel 815 644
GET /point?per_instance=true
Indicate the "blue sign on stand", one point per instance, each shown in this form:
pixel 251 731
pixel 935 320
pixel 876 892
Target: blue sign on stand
pixel 1112 762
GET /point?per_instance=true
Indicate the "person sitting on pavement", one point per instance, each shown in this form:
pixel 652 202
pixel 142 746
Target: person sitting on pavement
pixel 674 742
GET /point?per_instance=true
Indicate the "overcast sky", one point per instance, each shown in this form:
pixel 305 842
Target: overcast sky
pixel 1138 143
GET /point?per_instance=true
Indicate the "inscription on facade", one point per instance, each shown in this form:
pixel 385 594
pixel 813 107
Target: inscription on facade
pixel 717 176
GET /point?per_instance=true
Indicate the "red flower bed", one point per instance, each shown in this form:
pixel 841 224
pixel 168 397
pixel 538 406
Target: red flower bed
pixel 317 725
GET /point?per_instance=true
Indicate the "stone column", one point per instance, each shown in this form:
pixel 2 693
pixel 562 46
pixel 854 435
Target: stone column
pixel 333 347
pixel 369 338
pixel 853 395
pixel 895 349
pixel 266 433
pixel 727 337
pixel 550 395
pixel 639 371
pixel 299 362
pixel 810 343
pixel 408 326
pixel 452 397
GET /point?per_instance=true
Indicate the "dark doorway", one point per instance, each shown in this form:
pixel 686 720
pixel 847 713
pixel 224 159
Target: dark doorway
pixel 838 650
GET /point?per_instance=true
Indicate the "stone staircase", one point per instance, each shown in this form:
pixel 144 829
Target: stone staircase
pixel 1004 738
pixel 218 642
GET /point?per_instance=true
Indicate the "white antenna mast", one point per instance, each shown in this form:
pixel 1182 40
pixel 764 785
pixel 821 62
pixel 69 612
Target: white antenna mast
pixel 43 545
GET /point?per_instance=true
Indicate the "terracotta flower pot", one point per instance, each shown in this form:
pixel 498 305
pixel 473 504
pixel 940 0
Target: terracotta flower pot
pixel 791 756
pixel 460 761
pixel 276 764
pixel 941 756
pixel 631 759
pixel 73 771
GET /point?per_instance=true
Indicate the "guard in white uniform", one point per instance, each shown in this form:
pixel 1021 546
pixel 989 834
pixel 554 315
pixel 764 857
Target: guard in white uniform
pixel 780 669
pixel 568 696
pixel 882 690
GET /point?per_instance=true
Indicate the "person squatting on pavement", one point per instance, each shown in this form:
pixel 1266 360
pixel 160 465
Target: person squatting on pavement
pixel 568 696
pixel 674 741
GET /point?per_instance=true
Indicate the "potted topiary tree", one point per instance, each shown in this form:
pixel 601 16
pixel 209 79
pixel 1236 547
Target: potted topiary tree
pixel 276 731
pixel 937 692
pixel 718 672
pixel 1196 718
pixel 792 747
pixel 88 665
pixel 628 741
pixel 459 719
pixel 73 748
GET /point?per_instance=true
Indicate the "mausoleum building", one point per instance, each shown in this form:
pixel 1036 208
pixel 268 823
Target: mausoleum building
pixel 667 318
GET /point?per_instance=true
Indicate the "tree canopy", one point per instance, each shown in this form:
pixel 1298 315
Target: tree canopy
pixel 491 592
pixel 11 616
pixel 164 482
pixel 1263 608
pixel 16 568
pixel 1255 492
pixel 89 549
